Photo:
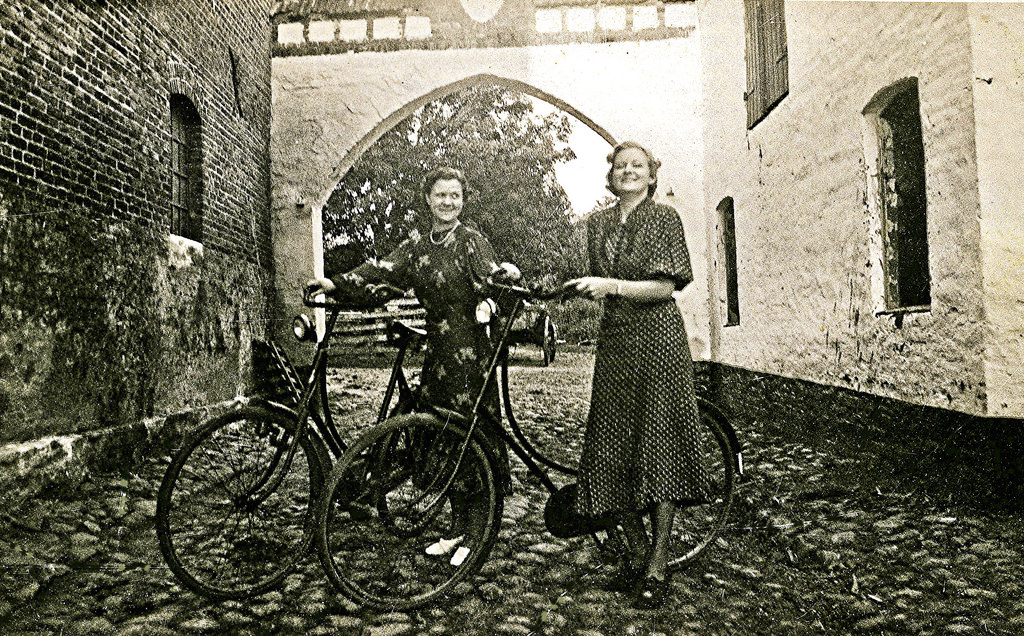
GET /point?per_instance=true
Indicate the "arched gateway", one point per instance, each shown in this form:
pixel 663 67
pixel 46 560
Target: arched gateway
pixel 329 107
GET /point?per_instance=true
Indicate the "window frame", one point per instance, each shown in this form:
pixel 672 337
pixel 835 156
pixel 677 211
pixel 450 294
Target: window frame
pixel 730 271
pixel 896 172
pixel 186 169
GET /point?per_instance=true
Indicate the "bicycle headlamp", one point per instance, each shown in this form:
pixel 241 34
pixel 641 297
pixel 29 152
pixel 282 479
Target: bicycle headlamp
pixel 303 328
pixel 485 310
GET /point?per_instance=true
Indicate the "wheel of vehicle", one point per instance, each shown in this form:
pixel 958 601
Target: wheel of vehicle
pixel 697 526
pixel 550 338
pixel 410 483
pixel 231 517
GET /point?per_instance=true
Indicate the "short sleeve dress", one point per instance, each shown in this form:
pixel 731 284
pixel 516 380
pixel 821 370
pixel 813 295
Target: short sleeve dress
pixel 639 443
pixel 448 278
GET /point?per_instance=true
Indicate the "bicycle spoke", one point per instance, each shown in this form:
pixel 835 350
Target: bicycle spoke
pixel 221 529
pixel 697 525
pixel 419 494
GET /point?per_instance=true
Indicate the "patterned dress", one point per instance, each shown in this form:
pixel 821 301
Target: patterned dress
pixel 449 280
pixel 639 444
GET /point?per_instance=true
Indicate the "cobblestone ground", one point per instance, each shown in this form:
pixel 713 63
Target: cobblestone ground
pixel 805 553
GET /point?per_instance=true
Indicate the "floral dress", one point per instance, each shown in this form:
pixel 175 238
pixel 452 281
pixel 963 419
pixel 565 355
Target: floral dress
pixel 449 279
pixel 639 447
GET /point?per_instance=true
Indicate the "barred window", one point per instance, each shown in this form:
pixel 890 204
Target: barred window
pixel 186 169
pixel 767 57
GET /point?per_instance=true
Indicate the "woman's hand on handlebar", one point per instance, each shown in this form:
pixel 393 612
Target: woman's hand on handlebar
pixel 595 287
pixel 317 286
pixel 505 273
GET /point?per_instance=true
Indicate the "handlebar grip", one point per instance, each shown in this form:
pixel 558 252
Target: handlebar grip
pixel 309 298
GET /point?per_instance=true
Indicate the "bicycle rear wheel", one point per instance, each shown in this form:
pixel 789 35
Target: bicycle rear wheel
pixel 224 529
pixel 404 485
pixel 697 526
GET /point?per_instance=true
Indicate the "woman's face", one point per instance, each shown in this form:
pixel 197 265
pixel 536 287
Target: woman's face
pixel 630 172
pixel 445 201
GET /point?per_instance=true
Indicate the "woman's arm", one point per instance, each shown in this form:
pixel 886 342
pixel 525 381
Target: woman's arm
pixel 598 287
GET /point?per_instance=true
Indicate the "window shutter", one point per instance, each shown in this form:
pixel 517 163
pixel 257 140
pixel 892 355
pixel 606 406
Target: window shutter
pixel 767 57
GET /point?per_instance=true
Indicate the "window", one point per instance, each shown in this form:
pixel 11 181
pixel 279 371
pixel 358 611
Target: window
pixel 186 169
pixel 235 82
pixel 767 58
pixel 727 225
pixel 894 121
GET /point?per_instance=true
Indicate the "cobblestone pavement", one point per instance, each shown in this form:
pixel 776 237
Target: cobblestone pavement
pixel 805 553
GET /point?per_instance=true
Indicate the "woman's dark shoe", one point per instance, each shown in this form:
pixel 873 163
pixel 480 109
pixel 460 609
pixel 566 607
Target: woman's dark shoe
pixel 651 593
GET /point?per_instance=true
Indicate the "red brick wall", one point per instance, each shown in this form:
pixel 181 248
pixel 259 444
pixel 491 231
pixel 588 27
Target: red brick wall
pixel 85 135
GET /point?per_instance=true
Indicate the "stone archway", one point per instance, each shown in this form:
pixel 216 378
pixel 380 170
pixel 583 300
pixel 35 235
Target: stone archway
pixel 394 118
pixel 328 109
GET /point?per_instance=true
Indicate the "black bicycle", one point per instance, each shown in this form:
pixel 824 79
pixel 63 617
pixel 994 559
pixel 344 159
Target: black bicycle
pixel 426 484
pixel 235 510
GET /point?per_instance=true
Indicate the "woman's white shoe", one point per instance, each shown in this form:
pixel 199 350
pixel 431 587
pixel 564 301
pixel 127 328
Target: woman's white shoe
pixel 460 556
pixel 443 546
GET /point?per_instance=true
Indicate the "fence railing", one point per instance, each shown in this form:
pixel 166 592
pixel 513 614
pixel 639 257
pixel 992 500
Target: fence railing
pixel 367 331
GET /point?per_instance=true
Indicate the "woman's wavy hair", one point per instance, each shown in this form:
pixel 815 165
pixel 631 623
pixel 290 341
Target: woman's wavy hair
pixel 444 173
pixel 652 164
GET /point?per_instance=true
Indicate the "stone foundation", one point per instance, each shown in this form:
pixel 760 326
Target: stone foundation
pixel 943 454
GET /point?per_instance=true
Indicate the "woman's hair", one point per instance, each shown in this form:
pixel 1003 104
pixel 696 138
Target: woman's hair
pixel 443 174
pixel 652 164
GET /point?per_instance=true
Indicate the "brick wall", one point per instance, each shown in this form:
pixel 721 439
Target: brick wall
pixel 84 115
pixel 803 218
pixel 85 127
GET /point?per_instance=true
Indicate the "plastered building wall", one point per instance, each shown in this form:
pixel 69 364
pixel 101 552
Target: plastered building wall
pixel 329 108
pixel 806 229
pixel 997 46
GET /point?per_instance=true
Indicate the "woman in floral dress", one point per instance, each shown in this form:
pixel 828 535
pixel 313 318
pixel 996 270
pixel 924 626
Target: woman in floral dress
pixel 448 270
pixel 639 444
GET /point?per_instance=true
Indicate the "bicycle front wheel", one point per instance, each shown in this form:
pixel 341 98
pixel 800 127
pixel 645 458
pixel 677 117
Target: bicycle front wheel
pixel 411 511
pixel 231 517
pixel 697 526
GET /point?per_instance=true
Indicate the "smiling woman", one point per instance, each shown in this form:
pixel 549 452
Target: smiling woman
pixel 640 446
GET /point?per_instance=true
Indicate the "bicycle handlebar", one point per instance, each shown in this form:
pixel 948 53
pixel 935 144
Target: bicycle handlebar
pixel 561 292
pixel 376 294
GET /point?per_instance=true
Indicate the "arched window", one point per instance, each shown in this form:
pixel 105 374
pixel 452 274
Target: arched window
pixel 186 169
pixel 894 122
pixel 727 225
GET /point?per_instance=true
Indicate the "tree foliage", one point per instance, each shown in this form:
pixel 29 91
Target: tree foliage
pixel 508 153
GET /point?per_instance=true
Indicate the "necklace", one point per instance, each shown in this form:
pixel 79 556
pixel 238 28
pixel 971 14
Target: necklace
pixel 444 239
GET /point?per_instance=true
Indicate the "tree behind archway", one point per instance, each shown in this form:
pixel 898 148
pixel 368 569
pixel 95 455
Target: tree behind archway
pixel 508 153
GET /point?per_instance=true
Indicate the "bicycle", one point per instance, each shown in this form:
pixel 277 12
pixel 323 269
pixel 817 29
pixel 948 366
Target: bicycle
pixel 430 476
pixel 235 507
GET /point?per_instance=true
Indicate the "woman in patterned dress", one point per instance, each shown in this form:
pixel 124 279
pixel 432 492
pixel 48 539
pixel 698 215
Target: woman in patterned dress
pixel 639 442
pixel 448 270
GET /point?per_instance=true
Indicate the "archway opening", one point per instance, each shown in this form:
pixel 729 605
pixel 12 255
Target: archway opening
pixel 534 170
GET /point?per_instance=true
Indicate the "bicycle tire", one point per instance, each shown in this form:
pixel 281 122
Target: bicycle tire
pixel 221 531
pixel 696 526
pixel 397 476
